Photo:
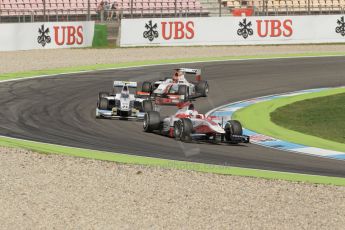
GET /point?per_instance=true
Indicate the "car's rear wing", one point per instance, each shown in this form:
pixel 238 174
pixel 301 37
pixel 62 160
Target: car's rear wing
pixel 197 72
pixel 143 94
pixel 190 71
pixel 129 84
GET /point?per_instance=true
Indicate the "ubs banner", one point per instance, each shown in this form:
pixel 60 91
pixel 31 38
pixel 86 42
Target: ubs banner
pixel 232 30
pixel 26 36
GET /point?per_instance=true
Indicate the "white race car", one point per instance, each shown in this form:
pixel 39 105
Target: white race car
pixel 177 89
pixel 187 124
pixel 122 103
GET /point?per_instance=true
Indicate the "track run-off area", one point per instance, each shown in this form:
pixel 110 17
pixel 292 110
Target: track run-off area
pixel 61 110
pixel 263 131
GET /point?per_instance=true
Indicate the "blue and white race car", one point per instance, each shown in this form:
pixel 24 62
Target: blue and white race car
pixel 123 102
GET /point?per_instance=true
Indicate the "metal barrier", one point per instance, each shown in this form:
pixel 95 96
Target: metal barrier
pixel 39 15
pixel 220 9
pixel 292 10
pixel 104 15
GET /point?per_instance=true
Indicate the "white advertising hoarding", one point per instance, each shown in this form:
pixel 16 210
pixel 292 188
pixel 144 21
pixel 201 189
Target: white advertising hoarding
pixel 45 35
pixel 232 30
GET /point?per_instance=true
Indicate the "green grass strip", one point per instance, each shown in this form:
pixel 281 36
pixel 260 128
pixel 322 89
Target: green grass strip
pixel 100 39
pixel 321 117
pixel 169 164
pixel 257 118
pixel 9 76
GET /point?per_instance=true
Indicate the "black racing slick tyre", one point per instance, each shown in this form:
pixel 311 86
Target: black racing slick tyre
pixel 183 129
pixel 232 127
pixel 103 103
pixel 202 88
pixel 152 121
pixel 183 90
pixel 147 106
pixel 146 87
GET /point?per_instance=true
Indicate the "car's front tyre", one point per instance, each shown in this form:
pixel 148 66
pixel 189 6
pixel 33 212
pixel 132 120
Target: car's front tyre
pixel 232 127
pixel 103 104
pixel 183 129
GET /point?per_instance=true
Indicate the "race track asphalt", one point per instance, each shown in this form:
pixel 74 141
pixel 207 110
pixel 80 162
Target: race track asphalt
pixel 61 110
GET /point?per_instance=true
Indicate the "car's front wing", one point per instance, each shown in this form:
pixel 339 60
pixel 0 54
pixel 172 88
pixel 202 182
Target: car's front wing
pixel 234 138
pixel 109 114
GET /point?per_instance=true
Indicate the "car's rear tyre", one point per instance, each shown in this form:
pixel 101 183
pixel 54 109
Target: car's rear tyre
pixel 183 129
pixel 103 103
pixel 183 90
pixel 147 106
pixel 152 121
pixel 232 127
pixel 146 87
pixel 202 88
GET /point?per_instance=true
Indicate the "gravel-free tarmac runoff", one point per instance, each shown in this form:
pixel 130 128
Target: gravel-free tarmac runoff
pixel 61 110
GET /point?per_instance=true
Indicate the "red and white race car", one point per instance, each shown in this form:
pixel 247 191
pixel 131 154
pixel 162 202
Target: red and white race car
pixel 176 89
pixel 187 124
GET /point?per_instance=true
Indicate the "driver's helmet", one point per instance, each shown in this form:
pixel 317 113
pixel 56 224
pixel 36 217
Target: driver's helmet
pixel 177 76
pixel 191 110
pixel 125 92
